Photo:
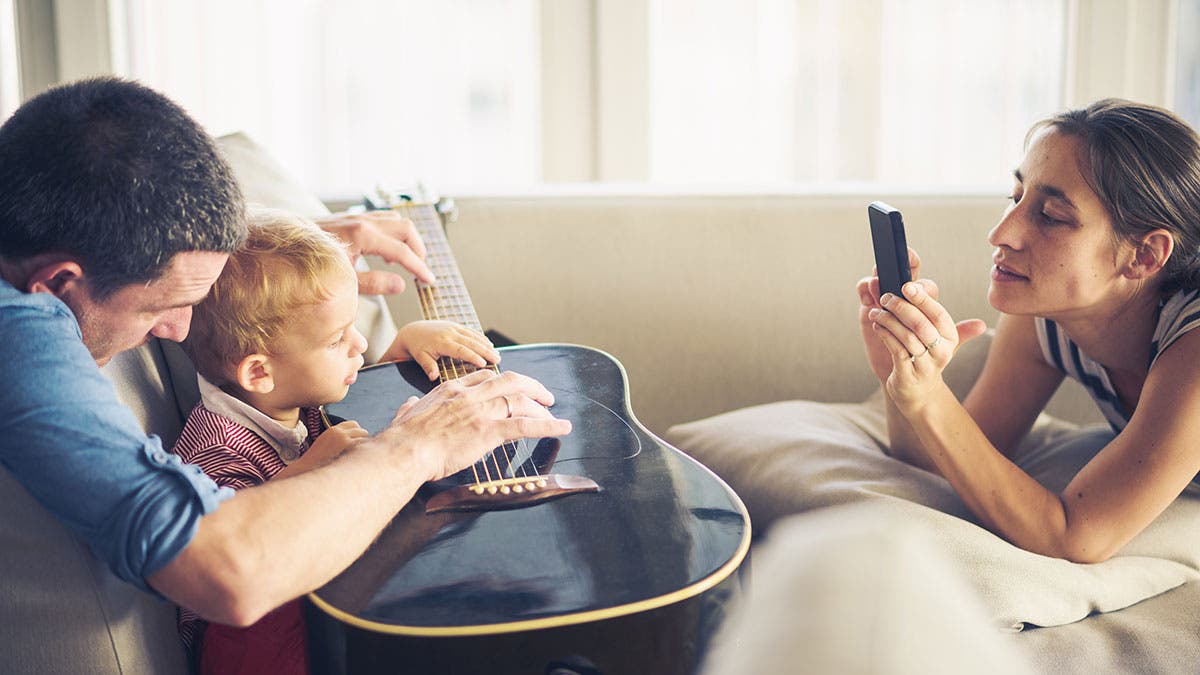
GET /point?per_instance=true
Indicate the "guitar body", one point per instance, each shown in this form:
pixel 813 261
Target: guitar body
pixel 630 578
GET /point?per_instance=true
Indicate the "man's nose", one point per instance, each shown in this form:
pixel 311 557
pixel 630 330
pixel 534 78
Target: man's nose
pixel 174 324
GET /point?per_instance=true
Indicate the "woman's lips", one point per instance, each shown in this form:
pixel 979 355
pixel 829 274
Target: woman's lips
pixel 1002 273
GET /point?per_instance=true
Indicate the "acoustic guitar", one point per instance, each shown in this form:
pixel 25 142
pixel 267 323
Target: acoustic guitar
pixel 605 551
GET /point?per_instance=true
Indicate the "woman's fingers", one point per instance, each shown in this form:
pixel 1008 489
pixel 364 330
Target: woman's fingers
pixel 921 314
pixel 895 347
pixel 890 325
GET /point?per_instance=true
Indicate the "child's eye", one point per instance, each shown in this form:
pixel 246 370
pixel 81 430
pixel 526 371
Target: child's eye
pixel 338 342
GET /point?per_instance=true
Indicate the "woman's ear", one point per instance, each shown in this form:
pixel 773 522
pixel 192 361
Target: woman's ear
pixel 1151 255
pixel 253 374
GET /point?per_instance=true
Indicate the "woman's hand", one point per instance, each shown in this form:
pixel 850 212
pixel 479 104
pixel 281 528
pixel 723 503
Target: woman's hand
pixel 920 338
pixel 426 341
pixel 878 356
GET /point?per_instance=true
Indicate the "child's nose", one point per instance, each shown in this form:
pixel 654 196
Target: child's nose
pixel 358 342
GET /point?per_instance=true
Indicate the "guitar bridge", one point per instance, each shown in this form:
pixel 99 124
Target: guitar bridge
pixel 508 493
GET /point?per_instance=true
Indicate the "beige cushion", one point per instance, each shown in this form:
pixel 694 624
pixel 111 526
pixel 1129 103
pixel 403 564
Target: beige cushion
pixel 798 456
pixel 843 590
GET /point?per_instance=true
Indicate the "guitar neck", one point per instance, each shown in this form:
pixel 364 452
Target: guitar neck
pixel 446 299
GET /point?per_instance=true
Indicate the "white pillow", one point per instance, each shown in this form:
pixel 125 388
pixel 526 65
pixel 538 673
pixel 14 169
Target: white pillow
pixel 794 457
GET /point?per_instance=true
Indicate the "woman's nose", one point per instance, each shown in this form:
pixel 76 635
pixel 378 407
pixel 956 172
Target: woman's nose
pixel 1006 233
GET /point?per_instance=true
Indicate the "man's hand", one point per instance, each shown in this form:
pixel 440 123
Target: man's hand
pixel 387 235
pixel 462 420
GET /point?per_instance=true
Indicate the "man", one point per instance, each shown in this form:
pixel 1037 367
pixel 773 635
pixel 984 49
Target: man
pixel 116 216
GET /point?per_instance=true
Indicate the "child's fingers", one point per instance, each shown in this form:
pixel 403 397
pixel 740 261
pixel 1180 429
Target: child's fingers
pixel 353 429
pixel 478 343
pixel 428 362
pixel 406 406
pixel 469 352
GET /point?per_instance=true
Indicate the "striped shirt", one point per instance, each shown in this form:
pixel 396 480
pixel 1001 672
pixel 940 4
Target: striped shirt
pixel 233 456
pixel 1177 315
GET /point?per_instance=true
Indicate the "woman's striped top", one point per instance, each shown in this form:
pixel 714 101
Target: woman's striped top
pixel 1177 315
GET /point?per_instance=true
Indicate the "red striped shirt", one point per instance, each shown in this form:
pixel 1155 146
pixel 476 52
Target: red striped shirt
pixel 234 457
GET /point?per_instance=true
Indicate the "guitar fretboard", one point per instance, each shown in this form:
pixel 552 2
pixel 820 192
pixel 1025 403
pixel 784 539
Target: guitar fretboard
pixel 446 299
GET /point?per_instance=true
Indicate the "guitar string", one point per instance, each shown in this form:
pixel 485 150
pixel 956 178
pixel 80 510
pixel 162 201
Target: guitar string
pixel 465 314
pixel 457 368
pixel 461 311
pixel 430 311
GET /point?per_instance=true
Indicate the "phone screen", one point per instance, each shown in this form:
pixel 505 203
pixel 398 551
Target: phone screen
pixel 891 248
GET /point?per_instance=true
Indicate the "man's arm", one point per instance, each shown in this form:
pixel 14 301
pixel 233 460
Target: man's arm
pixel 271 543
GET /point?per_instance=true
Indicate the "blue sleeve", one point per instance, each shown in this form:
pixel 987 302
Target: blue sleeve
pixel 82 454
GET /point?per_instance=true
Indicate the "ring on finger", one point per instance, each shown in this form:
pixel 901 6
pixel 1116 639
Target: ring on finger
pixel 936 341
pixel 913 359
pixel 507 407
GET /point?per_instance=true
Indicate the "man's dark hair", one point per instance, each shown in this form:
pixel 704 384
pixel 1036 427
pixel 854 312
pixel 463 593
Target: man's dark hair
pixel 116 175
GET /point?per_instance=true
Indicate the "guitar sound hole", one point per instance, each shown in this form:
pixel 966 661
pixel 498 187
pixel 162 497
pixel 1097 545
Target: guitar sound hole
pixel 572 665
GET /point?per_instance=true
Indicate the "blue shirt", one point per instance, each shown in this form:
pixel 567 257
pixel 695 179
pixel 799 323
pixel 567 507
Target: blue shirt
pixel 82 454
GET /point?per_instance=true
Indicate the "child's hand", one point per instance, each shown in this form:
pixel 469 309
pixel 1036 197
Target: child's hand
pixel 426 341
pixel 331 443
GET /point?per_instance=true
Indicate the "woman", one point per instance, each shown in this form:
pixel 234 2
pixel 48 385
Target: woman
pixel 1096 275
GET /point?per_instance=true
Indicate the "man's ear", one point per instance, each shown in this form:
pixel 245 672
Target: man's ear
pixel 1150 255
pixel 253 374
pixel 58 278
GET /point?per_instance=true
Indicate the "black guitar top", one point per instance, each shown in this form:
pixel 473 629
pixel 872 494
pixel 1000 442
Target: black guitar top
pixel 661 528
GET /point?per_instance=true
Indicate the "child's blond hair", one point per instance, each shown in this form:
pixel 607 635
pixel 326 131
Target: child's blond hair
pixel 285 264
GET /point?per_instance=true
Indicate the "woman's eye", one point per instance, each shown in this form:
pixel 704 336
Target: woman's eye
pixel 338 342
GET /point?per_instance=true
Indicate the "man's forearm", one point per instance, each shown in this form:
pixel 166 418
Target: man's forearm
pixel 274 542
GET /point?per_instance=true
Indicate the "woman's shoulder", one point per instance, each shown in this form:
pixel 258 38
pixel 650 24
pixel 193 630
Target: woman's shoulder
pixel 1179 314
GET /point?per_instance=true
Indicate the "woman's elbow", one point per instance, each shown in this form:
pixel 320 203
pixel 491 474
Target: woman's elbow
pixel 1088 547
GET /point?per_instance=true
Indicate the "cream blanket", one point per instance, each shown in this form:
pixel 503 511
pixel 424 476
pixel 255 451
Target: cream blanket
pixel 794 457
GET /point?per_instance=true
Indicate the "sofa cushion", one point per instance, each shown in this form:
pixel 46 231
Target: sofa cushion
pixel 798 456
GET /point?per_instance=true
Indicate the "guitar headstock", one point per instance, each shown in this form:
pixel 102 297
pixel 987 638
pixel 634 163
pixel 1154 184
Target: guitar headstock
pixel 402 198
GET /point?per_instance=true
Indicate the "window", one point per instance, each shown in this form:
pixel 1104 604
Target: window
pixel 907 92
pixel 475 94
pixel 350 93
pixel 10 75
pixel 1187 65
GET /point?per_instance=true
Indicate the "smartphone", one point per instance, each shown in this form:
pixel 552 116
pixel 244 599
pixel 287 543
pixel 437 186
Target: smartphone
pixel 891 248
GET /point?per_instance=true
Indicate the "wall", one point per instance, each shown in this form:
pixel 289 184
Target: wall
pixel 711 303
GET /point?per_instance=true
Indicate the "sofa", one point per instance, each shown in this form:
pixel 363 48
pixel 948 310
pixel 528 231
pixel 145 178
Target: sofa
pixel 713 304
pixel 737 301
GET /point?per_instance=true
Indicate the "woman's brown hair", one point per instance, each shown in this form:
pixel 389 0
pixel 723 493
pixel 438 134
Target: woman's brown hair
pixel 1144 164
